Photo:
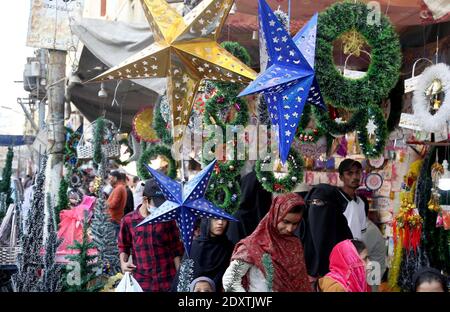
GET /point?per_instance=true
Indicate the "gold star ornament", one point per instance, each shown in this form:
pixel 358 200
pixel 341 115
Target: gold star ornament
pixel 186 51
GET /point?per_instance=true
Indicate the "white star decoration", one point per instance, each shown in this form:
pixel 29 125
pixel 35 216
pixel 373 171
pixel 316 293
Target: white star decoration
pixel 371 127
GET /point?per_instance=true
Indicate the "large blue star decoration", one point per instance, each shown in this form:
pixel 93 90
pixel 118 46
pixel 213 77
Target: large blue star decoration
pixel 185 203
pixel 289 81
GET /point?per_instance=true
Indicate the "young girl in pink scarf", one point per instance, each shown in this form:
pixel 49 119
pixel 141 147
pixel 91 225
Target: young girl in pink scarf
pixel 348 261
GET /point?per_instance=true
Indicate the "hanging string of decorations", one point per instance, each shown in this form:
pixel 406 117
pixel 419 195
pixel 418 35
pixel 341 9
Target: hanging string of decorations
pixel 386 57
pixel 278 180
pixel 305 135
pixel 372 132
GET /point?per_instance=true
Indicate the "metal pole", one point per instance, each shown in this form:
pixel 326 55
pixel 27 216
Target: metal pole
pixel 289 16
pixel 55 126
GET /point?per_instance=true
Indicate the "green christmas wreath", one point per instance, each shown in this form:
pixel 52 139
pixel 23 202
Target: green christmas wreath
pixel 386 57
pixel 222 100
pixel 286 184
pixel 372 121
pixel 305 135
pixel 224 193
pixel 328 125
pixel 149 154
pixel 160 126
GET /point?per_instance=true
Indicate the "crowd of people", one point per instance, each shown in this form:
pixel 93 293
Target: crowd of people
pixel 317 241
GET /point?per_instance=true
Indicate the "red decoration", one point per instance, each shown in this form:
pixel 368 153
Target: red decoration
pixel 220 99
pixel 278 187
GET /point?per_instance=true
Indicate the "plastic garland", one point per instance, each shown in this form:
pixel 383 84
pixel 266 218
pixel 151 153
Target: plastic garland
pixel 152 152
pixel 72 140
pixel 308 135
pixel 330 126
pixel 430 76
pixel 161 126
pixel 99 134
pixel 222 100
pixel 386 57
pixel 231 189
pixel 370 150
pixel 286 184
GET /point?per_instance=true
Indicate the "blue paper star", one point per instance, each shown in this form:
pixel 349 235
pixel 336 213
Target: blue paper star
pixel 185 203
pixel 289 81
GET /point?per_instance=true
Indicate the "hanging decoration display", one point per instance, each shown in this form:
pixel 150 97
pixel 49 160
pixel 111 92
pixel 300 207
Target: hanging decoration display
pixel 431 100
pixel 286 180
pixel 152 152
pixel 142 126
pixel 221 102
pixel 70 148
pixel 224 193
pixel 336 126
pixel 161 125
pixel 304 134
pixel 289 81
pixel 186 51
pixel 408 225
pixel 372 132
pixel 437 170
pixel 185 203
pixel 386 57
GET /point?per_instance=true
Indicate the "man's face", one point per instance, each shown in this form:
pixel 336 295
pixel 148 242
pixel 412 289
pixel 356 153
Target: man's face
pixel 289 224
pixel 202 287
pixel 351 178
pixel 217 227
pixel 112 180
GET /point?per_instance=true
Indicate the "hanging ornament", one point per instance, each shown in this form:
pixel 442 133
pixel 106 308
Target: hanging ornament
pixel 142 125
pixel 185 203
pixel 431 100
pixel 407 225
pixel 289 81
pixel 186 51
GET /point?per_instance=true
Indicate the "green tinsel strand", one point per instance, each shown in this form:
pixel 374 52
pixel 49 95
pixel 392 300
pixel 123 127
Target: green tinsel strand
pixel 98 138
pixel 63 199
pixel 160 125
pixel 5 184
pixel 268 267
pixel 234 277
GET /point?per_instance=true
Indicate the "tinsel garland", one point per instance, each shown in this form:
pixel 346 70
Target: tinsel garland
pixel 234 276
pixel 221 101
pixel 99 133
pixel 70 148
pixel 286 184
pixel 186 275
pixel 63 199
pixel 160 125
pixel 386 57
pixel 5 183
pixel 268 267
pixel 86 268
pixel 230 190
pixel 325 122
pixel 372 150
pixel 394 271
pixel 305 135
pixel 150 153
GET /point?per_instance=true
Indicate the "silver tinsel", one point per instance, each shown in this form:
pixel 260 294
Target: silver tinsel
pixel 186 275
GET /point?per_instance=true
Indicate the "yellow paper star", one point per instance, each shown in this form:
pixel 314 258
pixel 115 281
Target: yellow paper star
pixel 186 51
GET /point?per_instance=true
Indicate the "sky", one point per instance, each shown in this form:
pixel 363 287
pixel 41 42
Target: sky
pixel 13 54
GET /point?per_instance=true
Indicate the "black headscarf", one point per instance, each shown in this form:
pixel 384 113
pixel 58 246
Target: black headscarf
pixel 255 204
pixel 211 255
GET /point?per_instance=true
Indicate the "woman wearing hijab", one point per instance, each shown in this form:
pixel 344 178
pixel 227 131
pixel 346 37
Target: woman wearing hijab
pixel 275 237
pixel 211 252
pixel 348 261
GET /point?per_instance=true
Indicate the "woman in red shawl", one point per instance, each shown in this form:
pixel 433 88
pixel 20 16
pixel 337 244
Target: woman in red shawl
pixel 273 236
pixel 348 261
